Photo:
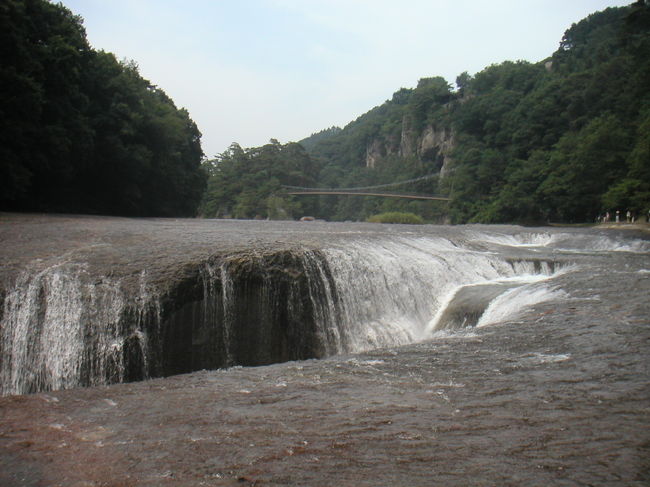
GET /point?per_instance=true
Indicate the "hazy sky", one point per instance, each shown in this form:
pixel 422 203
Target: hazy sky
pixel 252 70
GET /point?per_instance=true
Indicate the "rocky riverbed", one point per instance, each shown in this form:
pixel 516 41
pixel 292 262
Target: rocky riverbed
pixel 557 393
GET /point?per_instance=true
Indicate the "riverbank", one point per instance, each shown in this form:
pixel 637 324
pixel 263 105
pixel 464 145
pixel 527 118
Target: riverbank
pixel 638 226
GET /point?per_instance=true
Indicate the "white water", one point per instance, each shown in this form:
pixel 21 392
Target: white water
pixel 58 328
pixel 392 290
pixel 565 242
pixel 513 303
pixel 517 240
pixel 586 243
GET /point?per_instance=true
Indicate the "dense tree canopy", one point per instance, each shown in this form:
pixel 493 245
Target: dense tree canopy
pixel 82 132
pixel 565 139
pixel 248 183
pixel 566 135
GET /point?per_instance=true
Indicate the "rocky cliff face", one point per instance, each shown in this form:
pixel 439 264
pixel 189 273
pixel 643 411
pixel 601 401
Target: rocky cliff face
pixel 375 151
pixel 437 146
pixel 430 145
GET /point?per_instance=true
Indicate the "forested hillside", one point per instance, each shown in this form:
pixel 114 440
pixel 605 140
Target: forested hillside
pixel 562 140
pixel 248 183
pixel 82 132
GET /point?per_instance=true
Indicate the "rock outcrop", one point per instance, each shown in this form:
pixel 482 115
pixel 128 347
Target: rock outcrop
pixel 432 145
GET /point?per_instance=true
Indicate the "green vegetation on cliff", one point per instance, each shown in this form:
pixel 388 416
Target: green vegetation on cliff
pixel 396 217
pixel 565 139
pixel 247 183
pixel 82 132
pixel 561 140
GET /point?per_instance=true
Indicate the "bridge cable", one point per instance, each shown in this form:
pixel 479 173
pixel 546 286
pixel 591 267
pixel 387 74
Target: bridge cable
pixel 360 188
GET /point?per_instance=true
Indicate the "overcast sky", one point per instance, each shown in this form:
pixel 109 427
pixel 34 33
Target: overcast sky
pixel 252 70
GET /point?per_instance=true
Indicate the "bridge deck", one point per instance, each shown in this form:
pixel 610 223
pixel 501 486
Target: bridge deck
pixel 363 193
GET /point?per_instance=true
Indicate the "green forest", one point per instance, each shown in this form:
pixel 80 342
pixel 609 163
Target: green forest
pixel 82 132
pixel 562 140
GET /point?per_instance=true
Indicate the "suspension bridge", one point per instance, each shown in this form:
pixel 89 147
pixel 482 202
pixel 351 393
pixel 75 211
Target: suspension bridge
pixel 369 190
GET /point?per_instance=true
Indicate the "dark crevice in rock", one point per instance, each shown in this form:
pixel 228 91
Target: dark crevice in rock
pixel 262 315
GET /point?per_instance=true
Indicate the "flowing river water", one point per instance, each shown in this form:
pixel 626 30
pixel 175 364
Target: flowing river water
pixel 383 355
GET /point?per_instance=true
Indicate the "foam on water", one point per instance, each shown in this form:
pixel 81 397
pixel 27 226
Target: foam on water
pixel 544 358
pixel 463 333
pixel 569 242
pixel 517 240
pixel 390 292
pixel 514 303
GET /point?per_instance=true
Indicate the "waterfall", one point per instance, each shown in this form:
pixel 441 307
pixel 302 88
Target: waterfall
pixel 227 302
pixel 60 329
pixel 65 327
pixel 510 304
pixel 395 291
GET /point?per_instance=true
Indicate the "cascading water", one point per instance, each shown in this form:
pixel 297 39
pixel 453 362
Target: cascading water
pixel 511 303
pixel 393 292
pixel 62 328
pixel 227 300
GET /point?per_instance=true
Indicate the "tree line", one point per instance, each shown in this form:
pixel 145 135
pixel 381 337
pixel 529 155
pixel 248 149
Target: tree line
pixel 83 132
pixel 564 139
pixel 248 183
pixel 561 140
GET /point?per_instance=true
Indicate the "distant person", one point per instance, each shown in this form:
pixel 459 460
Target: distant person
pixel 628 216
pixel 618 216
pixel 607 216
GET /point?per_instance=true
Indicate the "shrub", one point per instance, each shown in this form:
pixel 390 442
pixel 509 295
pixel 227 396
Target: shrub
pixel 397 217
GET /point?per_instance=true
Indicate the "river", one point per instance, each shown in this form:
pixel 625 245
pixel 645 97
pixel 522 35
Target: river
pixel 428 355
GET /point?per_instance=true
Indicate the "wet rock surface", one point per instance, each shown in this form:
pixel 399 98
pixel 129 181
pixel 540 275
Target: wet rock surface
pixel 560 396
